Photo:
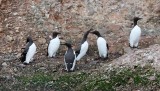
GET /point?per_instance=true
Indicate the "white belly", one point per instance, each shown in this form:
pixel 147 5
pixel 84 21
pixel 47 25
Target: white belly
pixel 53 47
pixel 135 36
pixel 102 47
pixel 30 53
pixel 84 49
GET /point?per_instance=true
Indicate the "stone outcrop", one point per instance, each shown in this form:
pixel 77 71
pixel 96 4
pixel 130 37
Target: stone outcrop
pixel 138 57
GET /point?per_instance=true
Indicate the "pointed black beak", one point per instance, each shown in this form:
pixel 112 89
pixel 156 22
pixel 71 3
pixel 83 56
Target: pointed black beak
pixel 58 33
pixel 140 18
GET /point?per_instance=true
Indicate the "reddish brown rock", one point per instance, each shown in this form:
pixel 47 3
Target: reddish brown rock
pixel 114 28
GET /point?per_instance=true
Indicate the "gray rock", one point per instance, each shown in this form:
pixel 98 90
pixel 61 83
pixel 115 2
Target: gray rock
pixel 91 11
pixel 18 55
pixel 21 65
pixel 152 78
pixel 140 57
pixel 42 68
pixel 4 64
pixel 9 38
pixel 17 29
pixel 15 13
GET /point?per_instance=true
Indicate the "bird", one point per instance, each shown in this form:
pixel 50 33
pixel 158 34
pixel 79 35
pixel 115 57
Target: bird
pixel 69 58
pixel 83 47
pixel 102 45
pixel 54 44
pixel 29 51
pixel 135 34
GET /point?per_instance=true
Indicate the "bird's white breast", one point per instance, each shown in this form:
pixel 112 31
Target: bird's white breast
pixel 135 35
pixel 102 47
pixel 84 49
pixel 30 53
pixel 53 46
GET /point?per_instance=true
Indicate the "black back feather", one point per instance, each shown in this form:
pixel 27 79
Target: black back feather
pixel 24 53
pixel 69 56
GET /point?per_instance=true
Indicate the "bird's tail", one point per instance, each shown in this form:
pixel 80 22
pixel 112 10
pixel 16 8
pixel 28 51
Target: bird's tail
pixel 69 66
pixel 22 58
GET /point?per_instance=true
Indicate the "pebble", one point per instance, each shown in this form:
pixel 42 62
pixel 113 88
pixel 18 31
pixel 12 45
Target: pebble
pixel 17 29
pixel 42 68
pixel 4 64
pixel 18 55
pixel 9 38
pixel 22 65
pixel 152 78
pixel 15 13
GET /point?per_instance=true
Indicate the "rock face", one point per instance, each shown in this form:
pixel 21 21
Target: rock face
pixel 39 18
pixel 142 57
pixel 42 40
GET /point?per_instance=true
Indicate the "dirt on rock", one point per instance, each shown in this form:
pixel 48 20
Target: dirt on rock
pixel 39 18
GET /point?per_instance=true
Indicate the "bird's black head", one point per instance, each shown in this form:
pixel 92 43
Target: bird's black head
pixel 96 33
pixel 135 19
pixel 86 35
pixel 67 44
pixel 87 32
pixel 55 34
pixel 29 39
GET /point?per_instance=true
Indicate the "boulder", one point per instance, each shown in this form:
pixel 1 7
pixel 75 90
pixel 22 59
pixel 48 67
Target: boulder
pixel 142 57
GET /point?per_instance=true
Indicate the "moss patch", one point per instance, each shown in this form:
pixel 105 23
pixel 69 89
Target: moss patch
pixel 111 80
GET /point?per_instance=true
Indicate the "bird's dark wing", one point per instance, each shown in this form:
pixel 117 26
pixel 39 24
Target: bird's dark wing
pixel 23 55
pixel 107 46
pixel 47 49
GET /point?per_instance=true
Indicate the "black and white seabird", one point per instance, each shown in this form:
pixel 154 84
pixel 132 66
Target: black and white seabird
pixel 29 51
pixel 53 45
pixel 102 45
pixel 83 48
pixel 69 58
pixel 135 34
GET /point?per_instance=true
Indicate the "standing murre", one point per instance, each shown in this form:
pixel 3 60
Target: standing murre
pixel 29 51
pixel 102 45
pixel 135 34
pixel 69 58
pixel 83 48
pixel 54 44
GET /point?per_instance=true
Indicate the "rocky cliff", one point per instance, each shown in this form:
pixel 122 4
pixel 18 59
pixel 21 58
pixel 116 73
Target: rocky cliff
pixel 39 18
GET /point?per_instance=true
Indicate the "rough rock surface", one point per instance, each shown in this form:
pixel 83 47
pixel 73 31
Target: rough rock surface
pixel 138 57
pixel 39 18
